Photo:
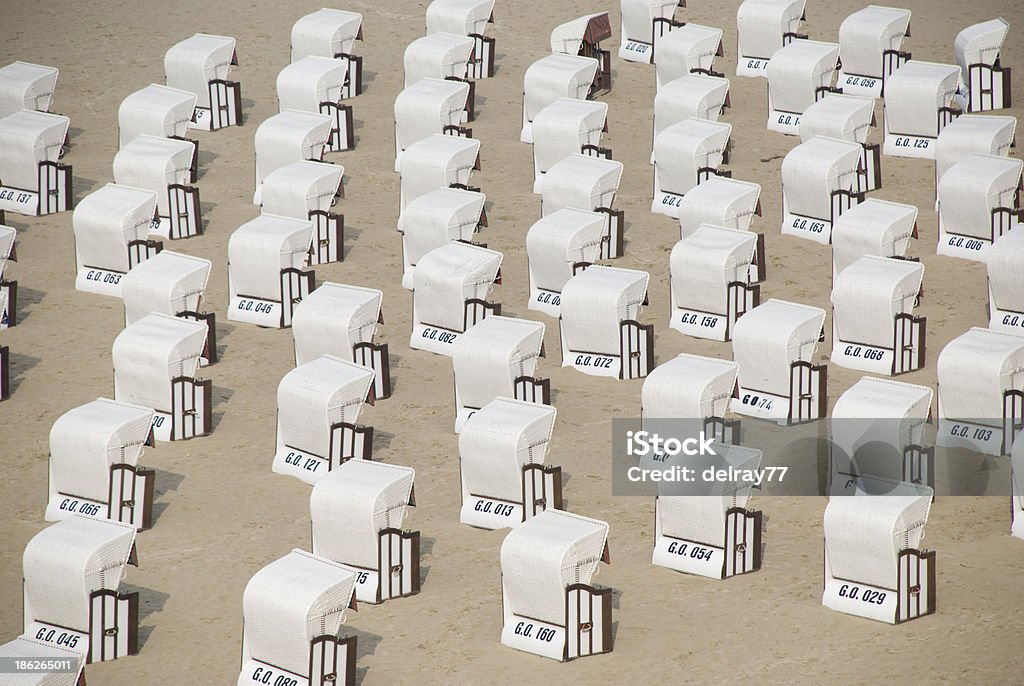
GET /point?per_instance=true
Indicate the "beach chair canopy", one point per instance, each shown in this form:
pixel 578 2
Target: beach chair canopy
pixel 868 33
pixel 915 92
pixel 427 107
pixel 326 33
pixel 438 218
pixel 972 188
pixel 191 64
pixel 581 182
pixel 873 227
pixel 845 117
pixel 438 55
pixel 168 282
pixel 564 127
pixel 686 48
pixel 290 136
pixel 26 139
pixel 594 304
pixel 8 236
pixel 1006 272
pixel 489 358
pixel 556 76
pixel 26 86
pixel 290 602
pixel 760 25
pixel 568 38
pixel 704 264
pixel 305 83
pixel 973 134
pixel 294 190
pixel 688 387
pixel 692 95
pixel 333 318
pixel 460 17
pixel 153 351
pixel 446 277
pixel 638 17
pixel 155 110
pixel 771 337
pixel 868 294
pixel 353 504
pixel 86 441
pixel 155 163
pixel 974 369
pixel 546 554
pixel 498 440
pixel 315 396
pixel 561 239
pixel 682 149
pixel 812 171
pixel 22 648
pixel 980 43
pixel 798 70
pixel 66 562
pixel 865 533
pixel 107 220
pixel 259 249
pixel 720 202
pixel 436 162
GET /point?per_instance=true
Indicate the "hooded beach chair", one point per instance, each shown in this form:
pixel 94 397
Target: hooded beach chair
pixel 873 567
pixel 566 127
pixel 1006 283
pixel 156 111
pixel 437 161
pixel 643 23
pixel 689 387
pixel 727 202
pixel 689 96
pixel 878 430
pixel 309 191
pixel 919 103
pixel 980 384
pixel 341 320
pixel 293 611
pixel 111 228
pixel 316 84
pixel 709 277
pixel 586 183
pixel 200 65
pixel 762 28
pixel 984 82
pixel 451 285
pixel 156 360
pixel 1017 491
pixel 973 134
pixel 498 358
pixel 439 56
pixel 68 666
pixel 287 137
pixel 874 227
pixel 357 512
pixel 502 449
pixel 266 279
pixel 32 181
pixel 873 325
pixel 318 404
pixel 466 18
pixel 582 37
pixel 774 345
pixel 331 33
pixel 557 246
pixel 846 118
pixel 549 606
pixel 870 42
pixel 165 167
pixel 94 464
pixel 685 155
pixel 8 288
pixel 430 106
pixel 687 49
pixel 26 86
pixel 435 219
pixel 552 78
pixel 799 74
pixel 599 323
pixel 821 179
pixel 979 200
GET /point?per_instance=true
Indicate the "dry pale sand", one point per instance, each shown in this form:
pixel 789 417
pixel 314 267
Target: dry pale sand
pixel 222 514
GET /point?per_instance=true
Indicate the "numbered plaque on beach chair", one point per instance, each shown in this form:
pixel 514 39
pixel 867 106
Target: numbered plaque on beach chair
pixel 984 82
pixel 874 227
pixel 318 404
pixel 973 134
pixel 451 285
pixel 287 137
pixel 68 666
pixel 439 56
pixel 266 280
pixel 557 246
pixel 357 512
pixel 94 464
pixel 799 75
pixel 847 118
pixel 310 190
pixel 821 179
pixel 979 200
pixel 709 275
pixel 685 154
pixel 726 202
pixel 878 430
pixel 643 22
pixel 873 565
pixel 111 228
pixel 582 37
pixel 873 325
pixel 763 27
pixel 200 65
pixel 687 49
pixel 551 78
pixel 156 111
pixel 549 605
pixel 919 103
pixel 1006 284
pixel 437 161
pixel 774 345
pixel 430 106
pixel 165 167
pixel 72 571
pixel 26 86
pixel 436 219
pixel 691 387
pixel 466 18
pixel 316 84
pixel 8 288
pixel 599 323
pixel 870 42
pixel 32 181
pixel 565 127
pixel 691 96
pixel 1017 491
pixel 502 449
pixel 293 611
pixel 586 183
pixel 981 391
